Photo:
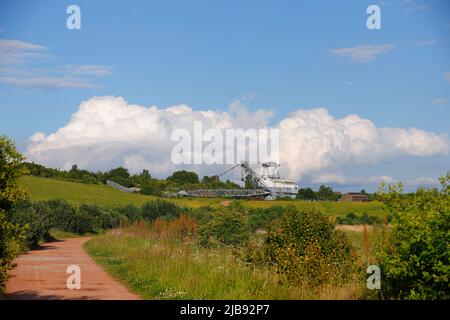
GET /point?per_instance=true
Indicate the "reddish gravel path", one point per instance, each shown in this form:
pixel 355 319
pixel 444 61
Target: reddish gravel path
pixel 41 274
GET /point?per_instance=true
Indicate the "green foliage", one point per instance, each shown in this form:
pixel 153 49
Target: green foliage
pixel 415 263
pixel 62 214
pixel 35 217
pixel 149 186
pixel 323 194
pixel 160 208
pixel 266 218
pixel 184 177
pixel 11 239
pixel 213 182
pixel 11 234
pixel 82 222
pixel 11 168
pixel 142 179
pixel 119 175
pixel 152 187
pixel 74 174
pixel 40 217
pixel 352 219
pixel 307 248
pixel 229 228
pixel 306 194
pixel 326 194
pixel 202 215
pixel 131 212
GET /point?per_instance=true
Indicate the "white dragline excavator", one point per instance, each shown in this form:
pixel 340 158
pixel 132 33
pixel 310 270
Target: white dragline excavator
pixel 266 185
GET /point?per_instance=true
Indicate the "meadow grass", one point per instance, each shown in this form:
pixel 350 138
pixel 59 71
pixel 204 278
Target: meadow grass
pixel 161 267
pixel 80 193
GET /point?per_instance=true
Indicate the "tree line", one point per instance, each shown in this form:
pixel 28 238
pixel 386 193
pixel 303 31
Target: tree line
pixel 147 184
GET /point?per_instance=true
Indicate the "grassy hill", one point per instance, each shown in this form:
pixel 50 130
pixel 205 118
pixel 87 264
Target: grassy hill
pixel 78 193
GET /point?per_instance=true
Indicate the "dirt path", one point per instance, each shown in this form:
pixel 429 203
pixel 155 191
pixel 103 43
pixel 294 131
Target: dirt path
pixel 41 274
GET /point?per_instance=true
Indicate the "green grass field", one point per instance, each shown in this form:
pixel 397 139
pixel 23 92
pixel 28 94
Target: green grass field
pixel 169 269
pixel 78 193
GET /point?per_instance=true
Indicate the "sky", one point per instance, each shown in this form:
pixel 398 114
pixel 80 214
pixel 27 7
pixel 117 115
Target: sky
pixel 355 107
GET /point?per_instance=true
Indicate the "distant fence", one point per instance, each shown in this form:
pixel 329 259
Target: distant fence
pixel 120 187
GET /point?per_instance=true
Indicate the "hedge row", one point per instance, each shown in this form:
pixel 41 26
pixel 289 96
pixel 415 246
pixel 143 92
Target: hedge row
pixel 40 217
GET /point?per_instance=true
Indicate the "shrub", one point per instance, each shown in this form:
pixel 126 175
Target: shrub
pixel 109 219
pixel 229 227
pixel 151 188
pixel 131 212
pixel 62 214
pixel 202 214
pixel 306 247
pixel 12 237
pixel 266 218
pixel 415 263
pixel 352 219
pixel 33 215
pixel 82 222
pixel 160 208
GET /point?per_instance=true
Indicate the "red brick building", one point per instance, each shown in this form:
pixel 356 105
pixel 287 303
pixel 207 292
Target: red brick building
pixel 355 197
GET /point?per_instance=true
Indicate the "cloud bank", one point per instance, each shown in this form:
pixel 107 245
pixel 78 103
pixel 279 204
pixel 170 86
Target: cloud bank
pixel 108 131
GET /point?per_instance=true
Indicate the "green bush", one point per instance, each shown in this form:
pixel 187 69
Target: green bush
pixel 33 215
pixel 131 212
pixel 415 263
pixel 307 248
pixel 160 208
pixel 82 222
pixel 62 214
pixel 12 236
pixel 229 228
pixel 352 219
pixel 266 218
pixel 201 215
pixel 151 189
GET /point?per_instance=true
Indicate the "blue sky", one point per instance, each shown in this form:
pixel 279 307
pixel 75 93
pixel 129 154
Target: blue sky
pixel 207 53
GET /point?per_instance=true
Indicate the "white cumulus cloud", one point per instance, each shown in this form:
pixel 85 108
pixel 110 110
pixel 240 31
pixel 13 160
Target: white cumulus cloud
pixel 108 131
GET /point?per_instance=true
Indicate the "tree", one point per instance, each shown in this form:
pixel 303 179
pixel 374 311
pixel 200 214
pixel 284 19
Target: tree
pixel 324 193
pixel 142 179
pixel 306 194
pixel 11 167
pixel 74 172
pixel 11 235
pixel 119 175
pixel 415 261
pixel 184 177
